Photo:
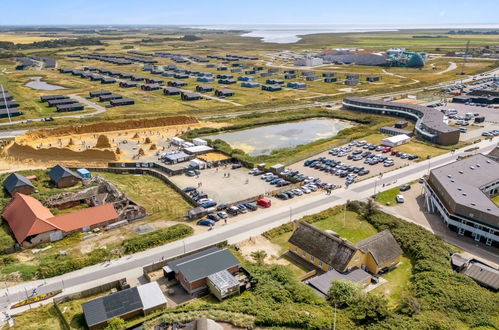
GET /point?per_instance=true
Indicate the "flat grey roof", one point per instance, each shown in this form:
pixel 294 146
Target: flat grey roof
pixel 116 304
pixel 464 180
pixel 203 264
pixel 322 283
pixel 432 118
pixel 483 274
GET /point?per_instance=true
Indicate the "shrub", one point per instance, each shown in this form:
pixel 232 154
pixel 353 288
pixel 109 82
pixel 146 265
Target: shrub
pixel 370 308
pixel 162 236
pixel 343 293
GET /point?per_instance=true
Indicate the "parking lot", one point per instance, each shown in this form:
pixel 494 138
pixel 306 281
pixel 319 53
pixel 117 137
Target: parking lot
pixel 374 170
pixel 225 185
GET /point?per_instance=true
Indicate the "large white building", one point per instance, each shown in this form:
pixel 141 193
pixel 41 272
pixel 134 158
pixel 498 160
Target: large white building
pixel 461 194
pixel 309 61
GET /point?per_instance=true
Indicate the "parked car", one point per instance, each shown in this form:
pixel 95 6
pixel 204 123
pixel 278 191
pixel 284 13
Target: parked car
pixel 264 202
pixel 209 204
pixel 400 199
pixel 251 206
pixel 233 210
pixel 190 173
pixel 188 189
pixel 236 166
pixel 213 216
pixel 405 187
pixel 222 207
pixel 222 215
pixel 242 208
pixel 282 196
pixel 206 222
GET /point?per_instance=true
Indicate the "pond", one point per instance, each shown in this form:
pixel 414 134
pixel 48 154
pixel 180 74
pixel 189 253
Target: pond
pixel 262 140
pixel 37 83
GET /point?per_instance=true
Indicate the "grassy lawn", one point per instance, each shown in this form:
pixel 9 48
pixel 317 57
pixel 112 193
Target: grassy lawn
pixel 73 312
pixel 157 197
pixel 387 197
pixel 414 147
pixel 496 200
pixel 41 318
pixel 348 225
pixel 398 280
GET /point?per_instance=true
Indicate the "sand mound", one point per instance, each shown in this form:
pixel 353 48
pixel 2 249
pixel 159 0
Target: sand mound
pixel 55 155
pixel 103 142
pixel 148 140
pixel 110 126
pixel 136 136
pixel 141 152
pixel 117 151
pixel 71 142
pixel 153 147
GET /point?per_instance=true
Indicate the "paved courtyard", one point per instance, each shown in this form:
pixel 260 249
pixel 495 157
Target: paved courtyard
pixel 238 186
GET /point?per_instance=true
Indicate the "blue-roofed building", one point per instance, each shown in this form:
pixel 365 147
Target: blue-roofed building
pixel 249 84
pixel 246 78
pixel 63 177
pixel 17 183
pixel 295 84
pixel 205 79
pixel 84 173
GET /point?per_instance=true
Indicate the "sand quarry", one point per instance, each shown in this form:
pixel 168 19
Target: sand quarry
pixel 98 144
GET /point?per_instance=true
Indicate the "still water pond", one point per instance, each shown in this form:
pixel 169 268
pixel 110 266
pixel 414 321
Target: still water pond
pixel 38 84
pixel 262 140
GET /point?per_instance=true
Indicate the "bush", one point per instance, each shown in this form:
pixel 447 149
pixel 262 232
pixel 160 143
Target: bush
pixel 162 236
pixel 370 308
pixel 343 293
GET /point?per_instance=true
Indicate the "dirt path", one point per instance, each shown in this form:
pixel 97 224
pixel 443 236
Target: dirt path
pixel 452 66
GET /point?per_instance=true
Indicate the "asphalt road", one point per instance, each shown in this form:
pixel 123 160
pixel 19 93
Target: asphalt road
pixel 131 266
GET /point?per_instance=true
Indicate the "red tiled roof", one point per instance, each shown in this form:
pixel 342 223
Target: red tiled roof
pixel 85 218
pixel 26 216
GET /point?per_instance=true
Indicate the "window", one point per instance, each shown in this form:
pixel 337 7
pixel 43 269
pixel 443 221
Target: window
pixel 356 258
pixel 320 263
pixel 295 249
pixel 304 254
pixel 312 258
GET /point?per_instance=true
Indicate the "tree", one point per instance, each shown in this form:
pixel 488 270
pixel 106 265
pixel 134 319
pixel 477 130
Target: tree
pixel 370 308
pixel 370 208
pixel 116 323
pixel 259 257
pixel 343 293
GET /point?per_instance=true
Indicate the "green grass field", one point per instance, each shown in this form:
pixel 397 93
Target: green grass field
pixel 161 201
pixel 387 197
pixel 398 281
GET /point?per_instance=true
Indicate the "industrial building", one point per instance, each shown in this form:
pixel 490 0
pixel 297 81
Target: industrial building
pixel 461 194
pixel 429 126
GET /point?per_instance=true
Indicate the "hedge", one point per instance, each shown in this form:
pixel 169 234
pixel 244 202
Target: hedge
pixel 162 236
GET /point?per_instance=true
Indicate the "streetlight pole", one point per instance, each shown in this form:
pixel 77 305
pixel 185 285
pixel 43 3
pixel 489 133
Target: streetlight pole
pixel 290 214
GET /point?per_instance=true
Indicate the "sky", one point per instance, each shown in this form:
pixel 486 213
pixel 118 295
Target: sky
pixel 223 12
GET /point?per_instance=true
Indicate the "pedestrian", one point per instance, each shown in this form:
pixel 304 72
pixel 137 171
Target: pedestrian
pixel 225 220
pixel 228 175
pixel 224 174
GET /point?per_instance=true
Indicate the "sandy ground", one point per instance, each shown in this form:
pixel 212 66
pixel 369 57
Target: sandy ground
pixel 260 243
pixel 128 141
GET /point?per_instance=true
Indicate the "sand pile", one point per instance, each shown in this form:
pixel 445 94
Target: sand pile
pixel 153 147
pixel 148 140
pixel 103 142
pixel 118 151
pixel 110 126
pixel 141 152
pixel 136 136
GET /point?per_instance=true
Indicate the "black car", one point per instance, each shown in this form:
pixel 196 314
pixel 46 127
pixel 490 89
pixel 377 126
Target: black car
pixel 188 189
pixel 405 187
pixel 213 216
pixel 222 207
pixel 282 196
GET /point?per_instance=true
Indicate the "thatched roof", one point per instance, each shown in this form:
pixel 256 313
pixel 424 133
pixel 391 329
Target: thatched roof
pixel 382 246
pixel 328 248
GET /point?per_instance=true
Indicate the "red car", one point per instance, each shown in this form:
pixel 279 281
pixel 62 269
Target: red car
pixel 387 149
pixel 264 202
pixel 394 152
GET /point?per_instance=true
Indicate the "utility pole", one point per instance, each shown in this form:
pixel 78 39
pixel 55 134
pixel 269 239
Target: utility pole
pixel 465 58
